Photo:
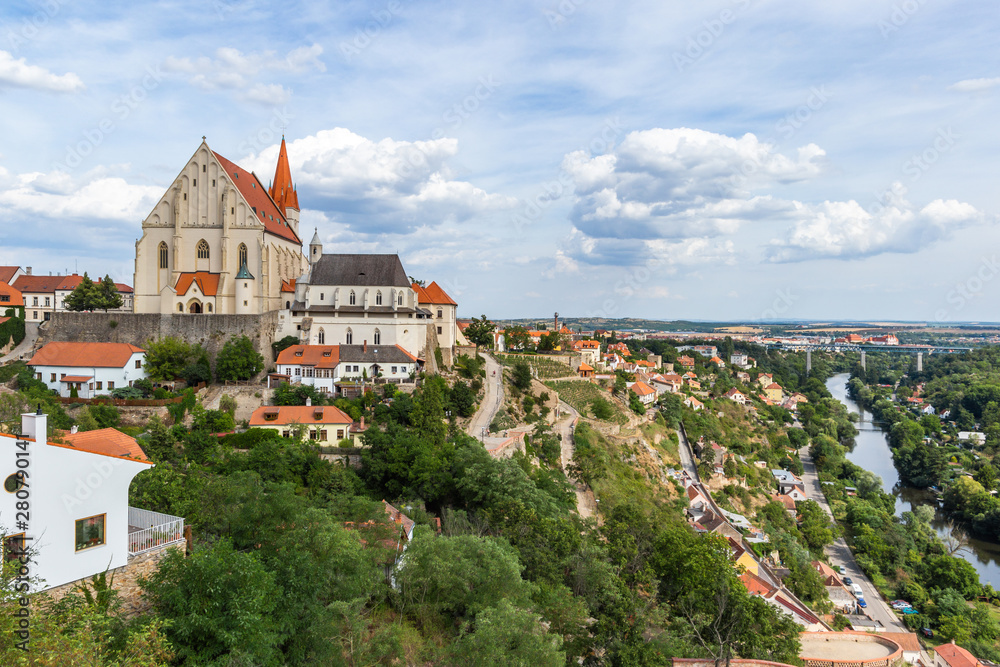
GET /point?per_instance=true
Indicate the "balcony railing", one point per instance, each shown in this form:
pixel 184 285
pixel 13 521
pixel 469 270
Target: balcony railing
pixel 152 530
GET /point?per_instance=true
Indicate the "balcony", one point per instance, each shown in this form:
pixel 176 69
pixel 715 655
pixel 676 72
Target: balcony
pixel 149 531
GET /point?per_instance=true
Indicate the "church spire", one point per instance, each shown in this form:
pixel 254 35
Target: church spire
pixel 282 191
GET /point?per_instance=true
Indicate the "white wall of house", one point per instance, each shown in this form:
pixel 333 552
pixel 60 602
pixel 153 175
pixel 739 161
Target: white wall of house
pixel 65 485
pixel 324 435
pixel 99 385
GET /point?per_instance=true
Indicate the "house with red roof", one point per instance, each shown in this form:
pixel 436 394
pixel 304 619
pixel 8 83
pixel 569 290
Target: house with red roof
pixel 443 311
pixel 952 655
pixel 89 369
pixel 80 522
pixel 44 295
pixel 329 368
pixel 323 425
pixel 645 393
pixel 219 236
pixel 736 395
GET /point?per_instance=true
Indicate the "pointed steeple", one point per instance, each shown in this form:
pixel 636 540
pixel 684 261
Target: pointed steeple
pixel 282 191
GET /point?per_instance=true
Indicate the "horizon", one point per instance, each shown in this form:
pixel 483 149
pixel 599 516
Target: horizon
pixel 731 161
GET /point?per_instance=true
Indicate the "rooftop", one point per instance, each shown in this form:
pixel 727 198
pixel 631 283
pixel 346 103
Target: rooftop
pixel 84 355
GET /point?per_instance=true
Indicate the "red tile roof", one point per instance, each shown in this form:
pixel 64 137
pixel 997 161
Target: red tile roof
pixel 282 191
pixel 956 656
pixel 320 356
pixel 756 586
pixel 7 273
pixel 207 282
pixel 13 294
pixel 642 389
pixel 253 191
pixel 288 285
pixel 908 641
pixel 433 294
pixel 76 378
pixel 39 284
pixel 284 415
pixel 107 442
pixel 84 355
pixel 586 367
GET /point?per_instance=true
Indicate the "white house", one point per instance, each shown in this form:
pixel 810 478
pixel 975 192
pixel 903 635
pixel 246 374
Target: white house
pixel 736 395
pixel 93 369
pixel 78 522
pixel 327 366
pixel 324 425
pixel 645 393
pixel 972 436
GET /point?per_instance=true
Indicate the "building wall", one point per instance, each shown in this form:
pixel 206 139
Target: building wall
pixel 66 485
pixel 332 432
pixel 121 377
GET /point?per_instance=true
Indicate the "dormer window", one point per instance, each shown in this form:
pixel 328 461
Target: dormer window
pixel 298 353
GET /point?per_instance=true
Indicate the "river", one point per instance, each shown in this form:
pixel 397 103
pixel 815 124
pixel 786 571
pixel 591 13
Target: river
pixel 872 452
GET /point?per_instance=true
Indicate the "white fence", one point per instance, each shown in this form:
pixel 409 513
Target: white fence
pixel 152 530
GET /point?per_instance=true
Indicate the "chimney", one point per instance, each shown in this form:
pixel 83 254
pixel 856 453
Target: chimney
pixel 73 429
pixel 309 402
pixel 365 347
pixel 27 270
pixel 35 425
pixel 362 422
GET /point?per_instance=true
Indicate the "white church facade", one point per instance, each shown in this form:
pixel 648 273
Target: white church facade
pixel 218 241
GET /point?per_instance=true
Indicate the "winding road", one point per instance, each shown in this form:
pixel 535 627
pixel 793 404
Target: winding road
pixel 491 401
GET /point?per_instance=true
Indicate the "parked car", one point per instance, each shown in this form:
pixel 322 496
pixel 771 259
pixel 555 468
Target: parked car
pixel 927 632
pixel 862 603
pixel 910 610
pixel 899 605
pixel 847 581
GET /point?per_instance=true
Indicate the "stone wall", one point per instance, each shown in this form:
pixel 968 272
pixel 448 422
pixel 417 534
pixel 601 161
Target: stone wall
pixel 209 331
pixel 126 581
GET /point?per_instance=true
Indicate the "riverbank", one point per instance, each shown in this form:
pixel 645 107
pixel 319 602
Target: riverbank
pixel 871 451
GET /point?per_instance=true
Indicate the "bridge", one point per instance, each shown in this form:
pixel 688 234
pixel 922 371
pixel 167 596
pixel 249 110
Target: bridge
pixel 919 350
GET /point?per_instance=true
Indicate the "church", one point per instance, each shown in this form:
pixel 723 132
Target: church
pixel 218 241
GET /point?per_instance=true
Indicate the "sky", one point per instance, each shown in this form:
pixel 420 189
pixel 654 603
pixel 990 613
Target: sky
pixel 721 160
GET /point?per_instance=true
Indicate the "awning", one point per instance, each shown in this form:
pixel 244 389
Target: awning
pixel 77 378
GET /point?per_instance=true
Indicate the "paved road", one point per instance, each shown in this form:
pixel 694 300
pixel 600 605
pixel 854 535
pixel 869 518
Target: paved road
pixel 30 336
pixel 687 457
pixel 840 554
pixel 491 401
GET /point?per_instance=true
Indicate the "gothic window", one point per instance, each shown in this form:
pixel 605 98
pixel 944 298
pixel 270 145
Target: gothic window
pixel 400 300
pixel 378 337
pixel 322 337
pixel 350 337
pixel 203 249
pixel 242 252
pixel 163 255
pixel 353 299
pixel 378 298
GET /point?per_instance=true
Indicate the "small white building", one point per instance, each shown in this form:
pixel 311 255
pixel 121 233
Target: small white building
pixel 324 425
pixel 93 369
pixel 972 436
pixel 326 366
pixel 78 522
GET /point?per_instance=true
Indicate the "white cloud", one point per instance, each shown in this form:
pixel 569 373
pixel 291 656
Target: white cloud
pixel 383 186
pixel 19 73
pixel 232 69
pixel 845 230
pixel 975 85
pixel 56 195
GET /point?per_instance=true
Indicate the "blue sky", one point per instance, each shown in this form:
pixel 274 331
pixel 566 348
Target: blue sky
pixel 734 159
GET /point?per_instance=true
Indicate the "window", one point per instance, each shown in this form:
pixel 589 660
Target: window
pixel 353 299
pixel 378 298
pixel 298 371
pixel 203 169
pixel 213 182
pixel 34 302
pixel 439 313
pixel 286 434
pixel 47 301
pixel 340 434
pixel 203 249
pixel 90 532
pixel 350 334
pixel 90 386
pixel 180 308
pixel 111 385
pixel 210 306
pixel 138 363
pixel 163 255
pixel 52 378
pixel 378 337
pixel 100 386
pixel 36 312
pixel 394 370
pixel 312 434
pixel 38 376
pixel 322 337
pixel 194 182
pixel 242 252
pixel 14 546
pixel 185 196
pixel 5 298
pixel 322 434
pixel 439 331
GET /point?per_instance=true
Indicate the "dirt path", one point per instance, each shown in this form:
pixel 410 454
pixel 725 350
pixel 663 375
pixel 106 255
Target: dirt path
pixel 491 401
pixel 586 503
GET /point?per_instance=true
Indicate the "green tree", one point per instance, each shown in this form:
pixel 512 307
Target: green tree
pixel 84 296
pixel 168 357
pixel 480 333
pixel 280 345
pixel 506 635
pixel 107 296
pixel 516 338
pixel 238 361
pixel 218 602
pixel 521 375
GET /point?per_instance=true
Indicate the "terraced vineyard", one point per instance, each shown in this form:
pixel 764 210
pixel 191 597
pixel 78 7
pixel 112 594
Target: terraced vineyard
pixel 581 396
pixel 545 367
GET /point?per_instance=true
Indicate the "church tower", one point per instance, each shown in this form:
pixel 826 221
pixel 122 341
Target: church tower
pixel 282 190
pixel 315 248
